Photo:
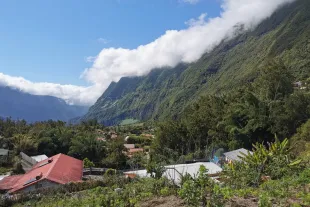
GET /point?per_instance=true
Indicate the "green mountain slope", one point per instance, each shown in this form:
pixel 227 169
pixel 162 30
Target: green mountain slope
pixel 166 92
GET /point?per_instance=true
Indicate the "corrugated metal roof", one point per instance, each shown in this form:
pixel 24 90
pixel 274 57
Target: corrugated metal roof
pixel 39 158
pixel 3 176
pixel 7 183
pixel 134 150
pixel 129 146
pixel 61 169
pixel 4 152
pixel 236 154
pixel 174 172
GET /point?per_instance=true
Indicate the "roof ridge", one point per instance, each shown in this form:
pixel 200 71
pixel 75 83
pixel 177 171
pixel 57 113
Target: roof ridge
pixel 53 164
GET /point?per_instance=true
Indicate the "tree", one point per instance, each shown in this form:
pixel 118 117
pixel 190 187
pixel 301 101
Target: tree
pixel 138 160
pixel 156 170
pixel 116 155
pixel 274 82
pixel 86 146
pixel 24 143
pixel 87 163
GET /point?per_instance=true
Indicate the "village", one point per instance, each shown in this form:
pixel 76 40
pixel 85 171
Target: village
pixel 42 172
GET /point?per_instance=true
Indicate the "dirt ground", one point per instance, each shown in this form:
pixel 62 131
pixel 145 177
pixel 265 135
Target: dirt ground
pixel 241 202
pixel 170 201
pixel 173 201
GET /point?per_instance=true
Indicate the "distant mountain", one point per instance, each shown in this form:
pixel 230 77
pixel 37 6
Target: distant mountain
pixel 19 105
pixel 166 92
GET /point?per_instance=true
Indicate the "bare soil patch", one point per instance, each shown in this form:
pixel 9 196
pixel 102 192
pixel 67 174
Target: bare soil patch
pixel 170 201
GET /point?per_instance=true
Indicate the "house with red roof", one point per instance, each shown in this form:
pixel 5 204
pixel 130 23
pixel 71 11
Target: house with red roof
pixel 133 151
pixel 52 172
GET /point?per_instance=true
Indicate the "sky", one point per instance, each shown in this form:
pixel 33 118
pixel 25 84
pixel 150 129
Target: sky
pixel 50 40
pixel 74 49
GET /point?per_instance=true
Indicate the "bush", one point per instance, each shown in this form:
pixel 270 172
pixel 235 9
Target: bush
pixel 201 191
pixel 274 161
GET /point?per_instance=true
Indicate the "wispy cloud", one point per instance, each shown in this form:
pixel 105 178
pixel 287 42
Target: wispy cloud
pixel 191 1
pixel 197 22
pixel 90 59
pixel 70 93
pixel 171 48
pixel 103 40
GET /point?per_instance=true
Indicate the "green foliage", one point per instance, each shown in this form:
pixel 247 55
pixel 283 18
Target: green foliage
pixel 254 113
pixel 111 195
pixel 116 158
pixel 233 63
pixel 110 172
pixel 4 170
pixel 201 190
pixel 24 143
pixel 86 145
pixel 138 160
pixel 133 139
pixel 274 161
pixel 129 121
pixel 17 166
pixel 155 170
pixel 264 201
pixel 87 163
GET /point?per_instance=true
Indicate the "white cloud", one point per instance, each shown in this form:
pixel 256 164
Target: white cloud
pixel 186 45
pixel 90 59
pixel 191 1
pixel 70 93
pixel 171 48
pixel 197 22
pixel 103 40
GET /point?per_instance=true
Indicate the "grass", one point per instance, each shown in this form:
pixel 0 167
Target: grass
pixel 129 121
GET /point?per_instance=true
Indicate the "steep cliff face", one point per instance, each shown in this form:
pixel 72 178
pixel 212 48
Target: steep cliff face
pixel 166 92
pixel 19 105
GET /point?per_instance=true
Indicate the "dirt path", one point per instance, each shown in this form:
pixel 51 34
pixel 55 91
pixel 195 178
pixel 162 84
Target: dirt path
pixel 170 201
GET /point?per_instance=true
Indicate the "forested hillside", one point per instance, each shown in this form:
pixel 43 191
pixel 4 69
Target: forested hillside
pixel 167 92
pixel 19 105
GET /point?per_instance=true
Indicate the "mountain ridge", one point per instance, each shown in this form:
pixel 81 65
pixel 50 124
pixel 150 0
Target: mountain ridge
pixel 165 93
pixel 19 105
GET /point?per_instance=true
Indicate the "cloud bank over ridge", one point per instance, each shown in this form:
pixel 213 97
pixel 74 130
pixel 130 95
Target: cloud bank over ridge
pixel 173 47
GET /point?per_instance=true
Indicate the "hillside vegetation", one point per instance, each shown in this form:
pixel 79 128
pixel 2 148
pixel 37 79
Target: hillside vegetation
pixel 241 95
pixel 166 92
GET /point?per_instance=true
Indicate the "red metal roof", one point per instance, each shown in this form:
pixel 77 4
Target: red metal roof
pixel 7 183
pixel 134 150
pixel 61 169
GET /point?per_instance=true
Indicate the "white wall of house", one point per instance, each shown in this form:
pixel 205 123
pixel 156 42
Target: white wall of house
pixel 43 184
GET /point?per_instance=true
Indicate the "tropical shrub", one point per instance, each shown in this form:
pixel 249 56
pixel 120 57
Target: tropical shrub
pixel 274 161
pixel 201 190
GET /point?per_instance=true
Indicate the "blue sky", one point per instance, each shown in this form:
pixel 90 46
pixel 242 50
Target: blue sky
pixel 45 43
pixel 48 41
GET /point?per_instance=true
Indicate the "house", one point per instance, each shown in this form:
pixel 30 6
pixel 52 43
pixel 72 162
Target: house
pixel 148 135
pixel 235 156
pixel 52 172
pixel 101 139
pixel 175 172
pixel 129 146
pixel 133 151
pixel 4 155
pixel 8 182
